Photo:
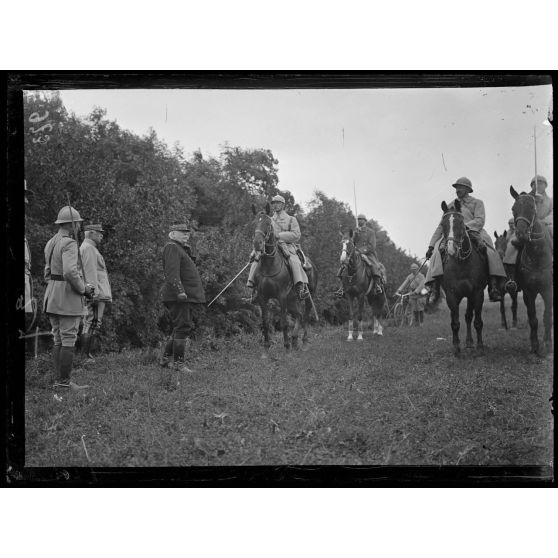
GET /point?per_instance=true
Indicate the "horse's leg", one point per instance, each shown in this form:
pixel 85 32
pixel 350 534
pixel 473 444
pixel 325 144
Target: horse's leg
pixel 453 304
pixel 514 309
pixel 548 298
pixel 529 300
pixel 296 328
pixel 350 336
pixel 469 344
pixel 503 312
pixel 305 321
pixel 265 328
pixel 360 311
pixel 478 304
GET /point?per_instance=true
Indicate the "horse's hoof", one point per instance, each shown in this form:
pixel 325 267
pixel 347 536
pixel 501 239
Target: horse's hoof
pixel 359 338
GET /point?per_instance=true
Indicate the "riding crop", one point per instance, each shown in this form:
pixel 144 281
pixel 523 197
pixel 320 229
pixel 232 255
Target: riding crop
pixel 229 284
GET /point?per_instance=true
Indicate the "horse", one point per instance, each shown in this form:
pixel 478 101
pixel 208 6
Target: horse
pixel 500 245
pixel 534 265
pixel 465 275
pixel 273 280
pixel 357 285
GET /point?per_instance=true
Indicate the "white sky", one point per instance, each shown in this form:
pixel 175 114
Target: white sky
pixel 402 148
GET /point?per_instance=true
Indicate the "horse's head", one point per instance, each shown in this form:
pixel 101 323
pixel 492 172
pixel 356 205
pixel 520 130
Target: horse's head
pixel 501 243
pixel 347 247
pixel 263 233
pixel 453 228
pixel 524 212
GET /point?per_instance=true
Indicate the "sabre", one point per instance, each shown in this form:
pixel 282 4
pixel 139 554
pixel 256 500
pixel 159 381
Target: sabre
pixel 229 284
pixel 535 140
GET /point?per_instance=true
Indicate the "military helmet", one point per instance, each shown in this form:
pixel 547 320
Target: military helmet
pixel 68 214
pixel 538 179
pixel 95 228
pixel 361 216
pixel 463 181
pixel 414 266
pixel 278 199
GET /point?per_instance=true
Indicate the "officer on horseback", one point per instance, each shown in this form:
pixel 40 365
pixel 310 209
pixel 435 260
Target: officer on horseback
pixel 365 243
pixel 287 232
pixel 544 206
pixel 474 214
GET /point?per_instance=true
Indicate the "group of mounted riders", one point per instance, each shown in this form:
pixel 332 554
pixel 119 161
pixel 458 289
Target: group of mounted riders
pixel 501 271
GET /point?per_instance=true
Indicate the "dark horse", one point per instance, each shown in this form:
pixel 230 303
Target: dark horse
pixel 357 286
pixel 500 244
pixel 273 280
pixel 465 275
pixel 534 265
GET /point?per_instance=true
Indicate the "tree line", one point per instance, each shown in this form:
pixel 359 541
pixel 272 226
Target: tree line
pixel 137 186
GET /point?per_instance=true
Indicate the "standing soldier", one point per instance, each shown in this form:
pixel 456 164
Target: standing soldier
pixel 287 232
pixel 365 243
pixel 474 215
pixel 95 271
pixel 181 290
pixel 544 206
pixel 414 283
pixel 64 295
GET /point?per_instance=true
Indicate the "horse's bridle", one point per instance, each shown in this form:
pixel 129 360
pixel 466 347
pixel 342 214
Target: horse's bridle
pixel 349 255
pixel 460 253
pixel 530 234
pixel 266 235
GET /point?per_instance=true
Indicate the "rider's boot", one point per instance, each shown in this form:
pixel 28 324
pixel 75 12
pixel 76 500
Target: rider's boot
pixel 253 292
pixel 434 293
pixel 302 290
pixel 494 293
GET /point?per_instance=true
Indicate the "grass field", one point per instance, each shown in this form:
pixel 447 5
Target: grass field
pixel 402 399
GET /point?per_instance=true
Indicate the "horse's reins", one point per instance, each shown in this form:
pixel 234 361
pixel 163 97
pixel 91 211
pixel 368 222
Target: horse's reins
pixel 461 255
pixel 531 223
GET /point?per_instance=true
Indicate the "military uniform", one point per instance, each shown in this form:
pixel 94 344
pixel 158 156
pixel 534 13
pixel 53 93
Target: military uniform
pixel 415 284
pixel 287 232
pixel 182 288
pixel 64 296
pixel 95 271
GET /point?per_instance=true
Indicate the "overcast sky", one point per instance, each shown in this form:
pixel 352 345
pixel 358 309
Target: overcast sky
pixel 401 148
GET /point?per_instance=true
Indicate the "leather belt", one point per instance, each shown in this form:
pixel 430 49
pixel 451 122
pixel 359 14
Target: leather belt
pixel 57 278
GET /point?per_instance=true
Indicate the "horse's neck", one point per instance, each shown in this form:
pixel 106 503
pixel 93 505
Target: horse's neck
pixel 356 265
pixel 538 248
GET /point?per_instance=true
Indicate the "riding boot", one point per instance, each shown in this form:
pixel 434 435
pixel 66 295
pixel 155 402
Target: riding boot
pixel 166 357
pixel 66 363
pixel 85 343
pixel 494 293
pixel 377 284
pixel 434 295
pixel 179 349
pixel 511 283
pixel 56 361
pixel 93 346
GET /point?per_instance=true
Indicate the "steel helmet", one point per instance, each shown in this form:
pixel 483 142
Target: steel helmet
pixel 278 199
pixel 463 181
pixel 68 214
pixel 538 180
pixel 414 266
pixel 361 216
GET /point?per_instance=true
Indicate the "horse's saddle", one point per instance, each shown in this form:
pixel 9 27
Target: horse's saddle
pixel 306 265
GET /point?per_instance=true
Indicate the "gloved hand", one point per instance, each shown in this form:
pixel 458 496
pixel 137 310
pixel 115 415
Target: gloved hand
pixel 182 297
pixel 89 291
pixel 255 256
pixel 429 252
pixel 94 301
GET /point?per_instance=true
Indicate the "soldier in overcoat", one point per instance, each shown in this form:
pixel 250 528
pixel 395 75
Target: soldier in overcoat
pixel 544 205
pixel 181 291
pixel 414 284
pixel 95 271
pixel 287 232
pixel 64 295
pixel 474 215
pixel 365 242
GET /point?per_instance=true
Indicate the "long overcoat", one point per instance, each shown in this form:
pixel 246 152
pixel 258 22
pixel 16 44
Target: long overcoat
pixel 65 288
pixel 181 274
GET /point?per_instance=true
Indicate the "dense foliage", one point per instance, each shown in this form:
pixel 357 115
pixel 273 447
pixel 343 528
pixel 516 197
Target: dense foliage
pixel 136 186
